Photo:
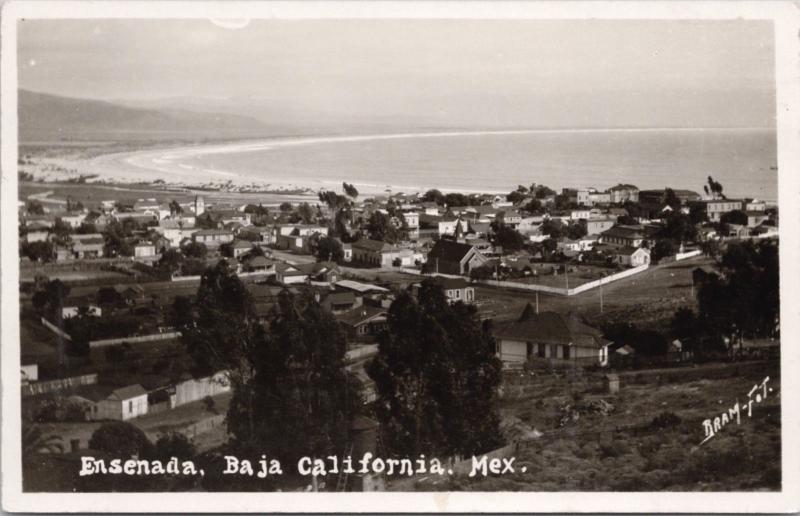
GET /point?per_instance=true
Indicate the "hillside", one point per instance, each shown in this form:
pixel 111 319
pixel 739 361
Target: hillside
pixel 45 117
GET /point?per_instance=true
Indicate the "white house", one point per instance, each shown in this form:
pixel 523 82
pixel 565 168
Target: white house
pixel 632 256
pixel 117 404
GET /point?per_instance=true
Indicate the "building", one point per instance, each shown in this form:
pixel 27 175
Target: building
pixel 199 205
pixel 337 302
pixel 144 250
pixel 595 226
pixel 510 218
pixel 448 257
pixel 455 289
pixel 212 237
pixel 623 236
pixel 756 217
pixel 364 323
pixel 552 337
pixel 622 193
pixel 632 256
pixel 579 214
pixel 715 209
pixel 87 246
pixel 241 247
pixel 104 403
pixel 380 254
pixel 412 219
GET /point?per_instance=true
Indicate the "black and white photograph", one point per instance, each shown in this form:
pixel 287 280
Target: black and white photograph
pixel 466 255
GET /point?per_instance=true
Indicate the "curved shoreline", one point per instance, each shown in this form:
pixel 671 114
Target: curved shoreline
pixel 168 164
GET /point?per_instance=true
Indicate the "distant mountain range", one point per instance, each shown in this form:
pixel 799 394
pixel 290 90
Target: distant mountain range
pixel 44 117
pixel 47 117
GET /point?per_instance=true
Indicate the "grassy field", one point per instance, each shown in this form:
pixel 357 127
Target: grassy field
pixel 647 299
pixel 625 451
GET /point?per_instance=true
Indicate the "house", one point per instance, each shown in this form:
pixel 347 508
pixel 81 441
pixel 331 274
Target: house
pixel 288 274
pixel 73 220
pixel 72 307
pixel 212 237
pixel 595 226
pixel 447 225
pixel 293 243
pixel 756 217
pixel 623 236
pixel 448 257
pixel 565 244
pixel 38 235
pixel 241 247
pixel 579 214
pixel 347 251
pixel 363 323
pixel 622 193
pixel 755 205
pixel 510 218
pixel 260 264
pixel 550 336
pixel 455 289
pixel 87 246
pixel 109 403
pixel 599 198
pixel 144 250
pixel 430 208
pixel 374 252
pixel 412 219
pixel 716 208
pixel 343 301
pixel 632 256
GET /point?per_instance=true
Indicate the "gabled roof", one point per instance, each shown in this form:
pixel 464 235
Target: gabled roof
pixel 551 328
pixel 360 315
pixel 126 393
pixel 449 251
pixel 449 283
pixel 376 246
pixel 625 232
pixel 629 251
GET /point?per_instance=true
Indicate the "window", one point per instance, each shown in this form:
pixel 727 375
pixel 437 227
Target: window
pixel 553 350
pixel 130 406
pixel 528 349
pixel 541 351
pixel 566 351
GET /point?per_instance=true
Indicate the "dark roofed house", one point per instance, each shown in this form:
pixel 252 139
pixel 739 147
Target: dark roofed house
pixel 448 257
pixel 623 236
pixel 455 289
pixel 550 336
pixel 340 301
pixel 363 323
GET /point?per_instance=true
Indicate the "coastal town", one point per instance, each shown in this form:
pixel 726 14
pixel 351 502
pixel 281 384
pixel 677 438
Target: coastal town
pixel 584 295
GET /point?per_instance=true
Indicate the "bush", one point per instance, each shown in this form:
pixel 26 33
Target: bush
pixel 665 420
pixel 121 440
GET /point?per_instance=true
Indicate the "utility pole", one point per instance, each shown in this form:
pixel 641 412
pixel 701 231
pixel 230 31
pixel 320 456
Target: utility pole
pixel 537 302
pixel 601 295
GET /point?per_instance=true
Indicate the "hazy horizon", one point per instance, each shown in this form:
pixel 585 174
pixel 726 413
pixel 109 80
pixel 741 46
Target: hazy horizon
pixel 417 73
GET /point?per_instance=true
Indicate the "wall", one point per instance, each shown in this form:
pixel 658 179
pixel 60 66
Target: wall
pixel 58 385
pixel 134 340
pixel 197 389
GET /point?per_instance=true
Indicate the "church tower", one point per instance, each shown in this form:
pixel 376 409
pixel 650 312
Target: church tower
pixel 199 205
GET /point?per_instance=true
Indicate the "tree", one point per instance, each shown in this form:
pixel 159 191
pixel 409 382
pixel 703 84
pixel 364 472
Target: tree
pixel 226 250
pixel 433 195
pixel 286 207
pixel 533 206
pixel 328 249
pixel 541 191
pixel 174 444
pixel 436 377
pixel 552 228
pixel 121 439
pixel 381 227
pixel 175 208
pixel 39 300
pixel 195 250
pixel 679 228
pixel 170 261
pixel 61 232
pixel 734 217
pixel 116 240
pixel 697 213
pixel 576 230
pixel 108 296
pixel 663 247
pixel 713 188
pixel 306 213
pixel 38 251
pixel 671 200
pixel 684 324
pixel 34 208
pixel 506 237
pixel 516 196
pixel 350 190
pixel 306 399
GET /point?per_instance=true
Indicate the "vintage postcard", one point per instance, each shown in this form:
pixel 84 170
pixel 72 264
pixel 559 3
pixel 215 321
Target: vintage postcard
pixel 400 256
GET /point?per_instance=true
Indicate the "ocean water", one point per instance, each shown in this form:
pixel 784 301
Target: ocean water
pixel 743 160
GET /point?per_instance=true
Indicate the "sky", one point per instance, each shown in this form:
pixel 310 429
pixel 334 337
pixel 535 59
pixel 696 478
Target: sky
pixel 466 73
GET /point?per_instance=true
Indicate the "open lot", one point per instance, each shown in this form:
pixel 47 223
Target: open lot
pixel 626 450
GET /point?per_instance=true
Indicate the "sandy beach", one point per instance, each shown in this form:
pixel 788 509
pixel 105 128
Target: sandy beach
pixel 471 161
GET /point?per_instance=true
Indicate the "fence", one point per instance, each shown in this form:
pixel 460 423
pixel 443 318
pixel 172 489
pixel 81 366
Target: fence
pixel 135 340
pixel 203 426
pixel 566 291
pixel 55 329
pixel 60 384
